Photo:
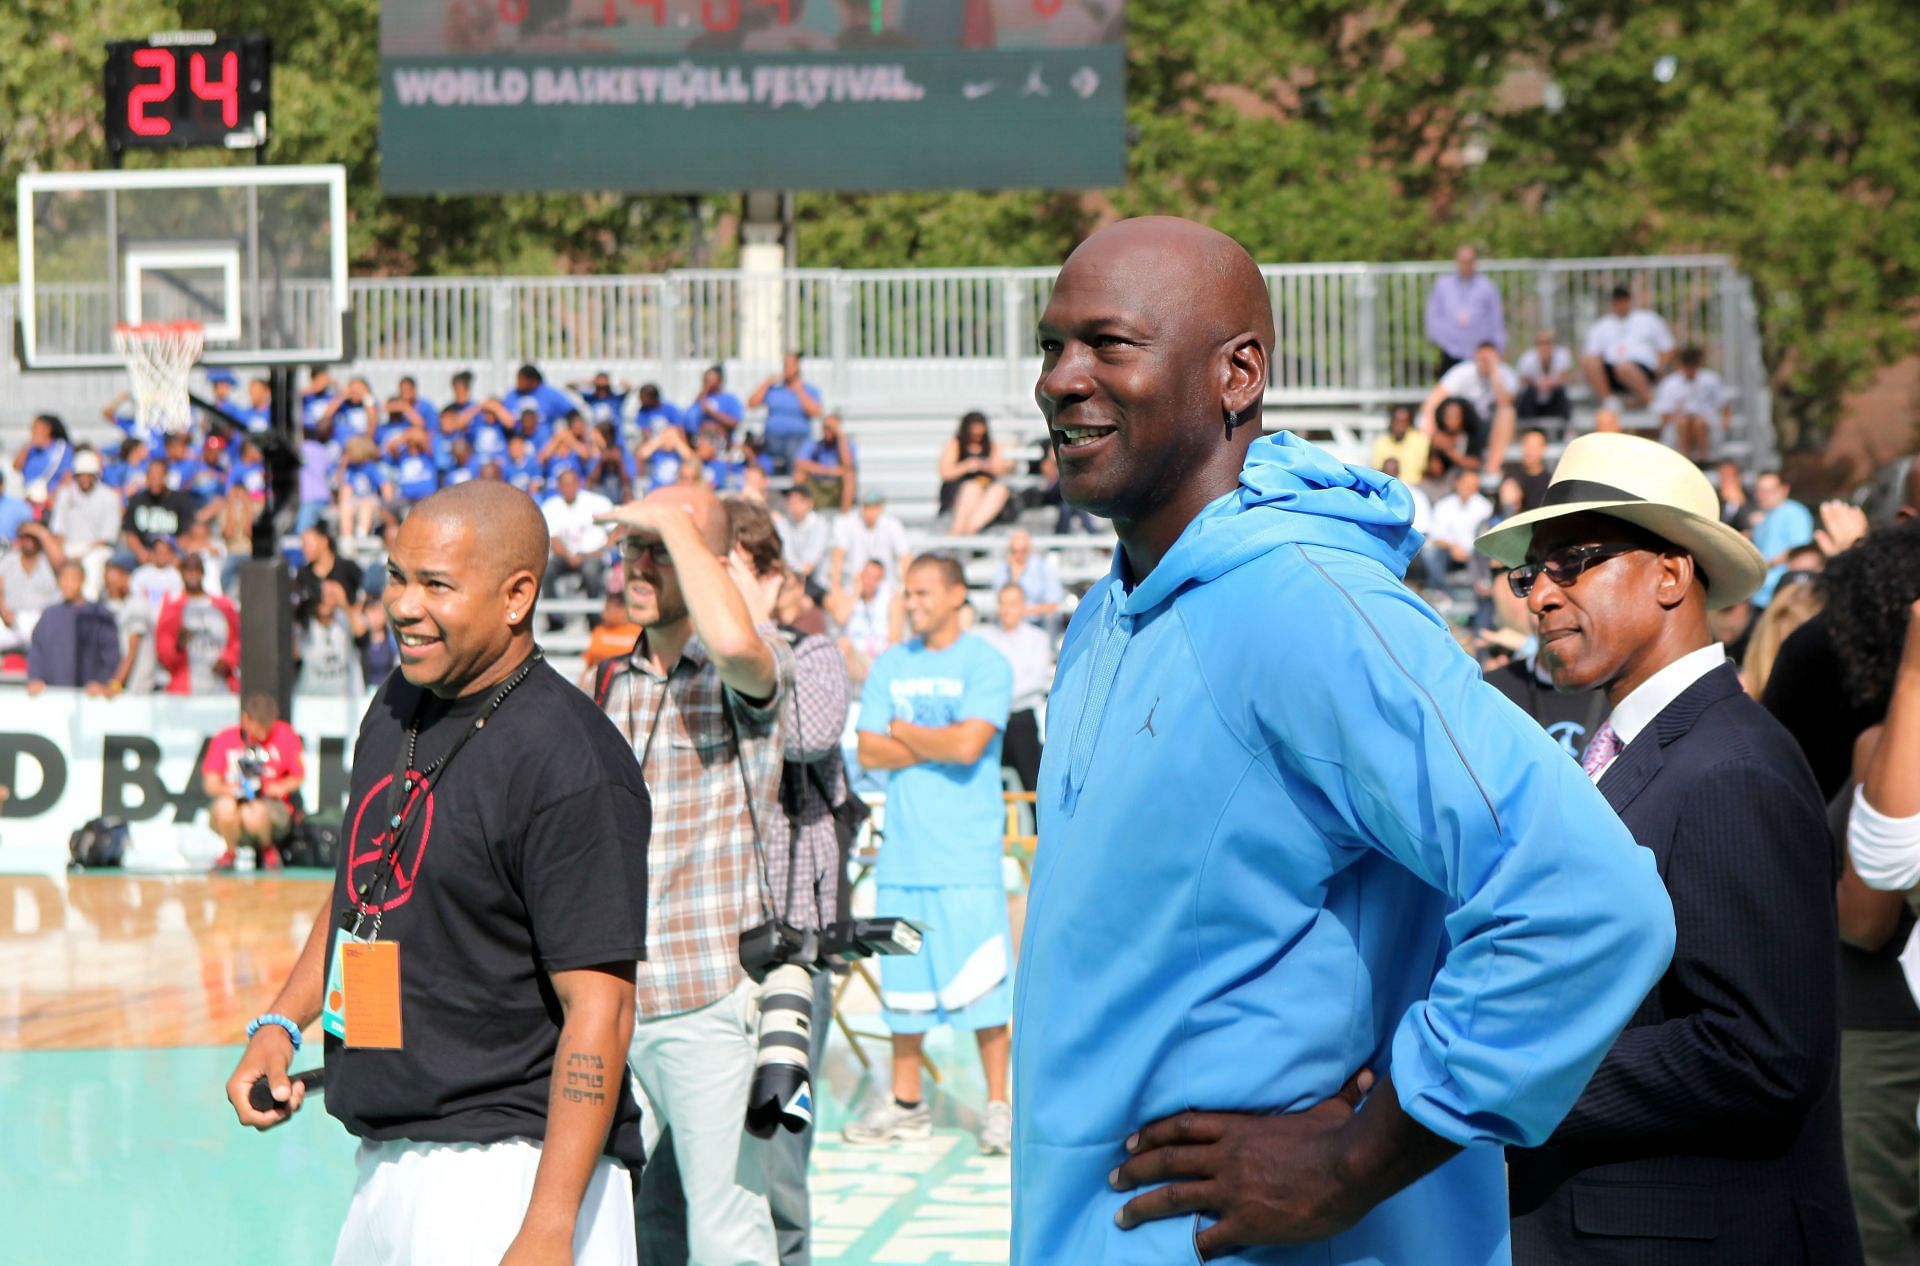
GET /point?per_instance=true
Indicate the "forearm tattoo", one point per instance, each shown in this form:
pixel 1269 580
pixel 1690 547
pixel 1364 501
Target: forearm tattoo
pixel 586 1079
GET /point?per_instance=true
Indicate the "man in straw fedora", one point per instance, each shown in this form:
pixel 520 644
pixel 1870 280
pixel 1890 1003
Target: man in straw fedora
pixel 1711 1131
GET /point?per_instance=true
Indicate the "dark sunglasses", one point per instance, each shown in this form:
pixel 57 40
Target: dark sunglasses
pixel 655 551
pixel 1563 566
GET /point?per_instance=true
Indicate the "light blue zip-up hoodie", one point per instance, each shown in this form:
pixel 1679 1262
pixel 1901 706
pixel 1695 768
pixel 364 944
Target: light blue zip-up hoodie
pixel 1286 832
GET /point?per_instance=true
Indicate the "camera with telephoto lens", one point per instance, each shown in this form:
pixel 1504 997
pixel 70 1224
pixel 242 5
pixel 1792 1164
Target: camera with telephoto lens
pixel 782 959
pixel 250 773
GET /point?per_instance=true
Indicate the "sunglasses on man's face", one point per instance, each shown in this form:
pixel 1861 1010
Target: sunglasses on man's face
pixel 655 552
pixel 1563 566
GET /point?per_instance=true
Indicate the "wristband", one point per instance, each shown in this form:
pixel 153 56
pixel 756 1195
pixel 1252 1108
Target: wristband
pixel 293 1030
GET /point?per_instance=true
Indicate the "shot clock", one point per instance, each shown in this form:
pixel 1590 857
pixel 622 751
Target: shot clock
pixel 188 88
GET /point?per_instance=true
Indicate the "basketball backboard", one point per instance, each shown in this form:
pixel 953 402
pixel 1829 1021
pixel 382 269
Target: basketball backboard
pixel 256 255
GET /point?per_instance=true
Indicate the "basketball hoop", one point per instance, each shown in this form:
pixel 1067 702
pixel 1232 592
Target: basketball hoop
pixel 159 356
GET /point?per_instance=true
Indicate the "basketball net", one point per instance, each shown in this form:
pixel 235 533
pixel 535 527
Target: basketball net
pixel 159 356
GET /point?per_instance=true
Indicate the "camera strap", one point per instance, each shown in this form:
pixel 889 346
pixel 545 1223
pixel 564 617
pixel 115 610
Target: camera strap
pixel 753 815
pixel 739 757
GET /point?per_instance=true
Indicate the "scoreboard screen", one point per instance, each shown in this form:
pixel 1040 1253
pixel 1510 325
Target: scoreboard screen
pixel 189 88
pixel 689 96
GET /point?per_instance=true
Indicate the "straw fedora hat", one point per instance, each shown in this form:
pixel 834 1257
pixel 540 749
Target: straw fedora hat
pixel 1652 487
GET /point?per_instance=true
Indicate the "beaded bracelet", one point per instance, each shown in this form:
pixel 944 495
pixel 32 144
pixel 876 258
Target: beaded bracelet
pixel 293 1030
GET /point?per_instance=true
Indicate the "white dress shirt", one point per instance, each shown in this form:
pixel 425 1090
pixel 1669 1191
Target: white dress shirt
pixel 1703 395
pixel 1637 711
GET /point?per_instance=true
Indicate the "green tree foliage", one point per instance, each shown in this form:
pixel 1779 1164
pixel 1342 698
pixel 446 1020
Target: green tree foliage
pixel 1781 132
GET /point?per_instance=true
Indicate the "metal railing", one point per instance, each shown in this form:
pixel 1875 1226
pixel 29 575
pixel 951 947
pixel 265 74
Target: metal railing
pixel 1348 335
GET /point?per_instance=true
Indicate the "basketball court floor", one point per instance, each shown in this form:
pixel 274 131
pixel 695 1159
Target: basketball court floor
pixel 122 1002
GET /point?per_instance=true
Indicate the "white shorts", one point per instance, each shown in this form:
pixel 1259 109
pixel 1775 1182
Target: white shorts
pixel 461 1204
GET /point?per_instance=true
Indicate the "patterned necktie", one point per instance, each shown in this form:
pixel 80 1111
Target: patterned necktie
pixel 1600 752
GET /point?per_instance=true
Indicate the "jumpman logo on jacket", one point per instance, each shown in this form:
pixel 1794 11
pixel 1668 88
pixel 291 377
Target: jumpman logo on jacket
pixel 1146 726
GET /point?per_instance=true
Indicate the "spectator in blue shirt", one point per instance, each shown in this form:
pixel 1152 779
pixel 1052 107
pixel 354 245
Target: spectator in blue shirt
pixel 1781 526
pixel 208 481
pixel 220 385
pixel 248 471
pixel 715 407
pixel 725 474
pixel 257 413
pixel 352 411
pixel 413 406
pixel 654 412
pixel 535 427
pixel 791 404
pixel 182 466
pixel 412 471
pixel 604 404
pixel 531 391
pixel 318 395
pixel 463 464
pixel 522 468
pixel 363 488
pixel 13 512
pixel 663 456
pixel 825 468
pixel 126 473
pixel 119 412
pixel 43 464
pixel 490 429
pixel 609 469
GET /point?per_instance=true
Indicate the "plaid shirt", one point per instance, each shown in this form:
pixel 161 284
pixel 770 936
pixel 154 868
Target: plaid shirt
pixel 703 880
pixel 816 719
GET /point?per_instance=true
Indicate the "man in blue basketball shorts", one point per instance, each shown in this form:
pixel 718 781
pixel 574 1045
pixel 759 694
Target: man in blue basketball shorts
pixel 932 712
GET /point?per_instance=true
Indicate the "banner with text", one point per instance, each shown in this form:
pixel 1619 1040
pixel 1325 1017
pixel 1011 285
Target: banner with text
pixel 67 759
pixel 518 95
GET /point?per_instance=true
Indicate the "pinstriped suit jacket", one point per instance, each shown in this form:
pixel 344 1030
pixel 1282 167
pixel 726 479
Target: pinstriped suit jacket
pixel 1711 1131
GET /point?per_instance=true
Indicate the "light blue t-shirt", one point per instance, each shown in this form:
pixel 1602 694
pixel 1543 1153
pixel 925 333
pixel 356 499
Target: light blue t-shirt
pixel 785 414
pixel 1787 526
pixel 945 823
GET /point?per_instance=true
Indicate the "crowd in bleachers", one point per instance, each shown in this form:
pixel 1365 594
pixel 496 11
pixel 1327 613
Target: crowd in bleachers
pixel 139 512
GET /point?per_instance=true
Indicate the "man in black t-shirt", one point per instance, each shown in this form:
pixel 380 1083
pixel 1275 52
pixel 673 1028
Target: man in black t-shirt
pixel 155 511
pixel 474 969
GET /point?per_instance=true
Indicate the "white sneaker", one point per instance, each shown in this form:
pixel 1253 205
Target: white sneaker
pixel 996 1130
pixel 885 1121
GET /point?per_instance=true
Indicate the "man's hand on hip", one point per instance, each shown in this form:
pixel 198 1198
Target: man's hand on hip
pixel 1265 1179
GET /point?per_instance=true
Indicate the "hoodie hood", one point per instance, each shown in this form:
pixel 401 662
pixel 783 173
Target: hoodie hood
pixel 1290 491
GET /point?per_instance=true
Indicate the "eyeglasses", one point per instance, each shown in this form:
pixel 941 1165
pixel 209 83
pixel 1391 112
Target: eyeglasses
pixel 1563 566
pixel 655 552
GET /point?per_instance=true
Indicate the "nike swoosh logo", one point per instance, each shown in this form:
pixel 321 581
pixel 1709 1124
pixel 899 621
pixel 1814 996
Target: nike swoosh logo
pixel 973 91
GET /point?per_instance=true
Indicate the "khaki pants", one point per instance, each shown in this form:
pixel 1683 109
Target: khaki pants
pixel 1879 1096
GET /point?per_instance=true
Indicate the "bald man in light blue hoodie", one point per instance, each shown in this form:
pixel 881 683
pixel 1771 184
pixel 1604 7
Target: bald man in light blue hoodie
pixel 1292 849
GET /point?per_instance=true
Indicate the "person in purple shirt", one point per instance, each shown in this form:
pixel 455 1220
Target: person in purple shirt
pixel 1463 311
pixel 316 478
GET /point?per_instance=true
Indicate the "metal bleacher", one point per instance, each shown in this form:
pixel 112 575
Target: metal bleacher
pixel 900 354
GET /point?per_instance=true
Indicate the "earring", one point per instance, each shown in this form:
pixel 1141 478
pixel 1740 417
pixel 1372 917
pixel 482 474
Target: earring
pixel 513 617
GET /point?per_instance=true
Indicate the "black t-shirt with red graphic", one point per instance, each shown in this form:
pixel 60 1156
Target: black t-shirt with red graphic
pixel 528 858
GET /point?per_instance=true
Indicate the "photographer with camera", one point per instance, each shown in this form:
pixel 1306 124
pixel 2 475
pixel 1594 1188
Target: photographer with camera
pixel 805 862
pixel 252 775
pixel 701 700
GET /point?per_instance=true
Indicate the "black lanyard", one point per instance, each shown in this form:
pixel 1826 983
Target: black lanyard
pixel 404 794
